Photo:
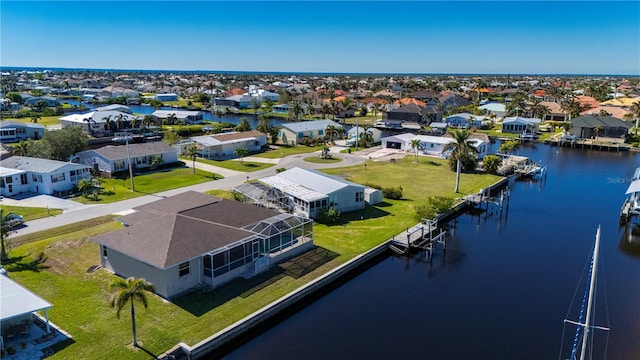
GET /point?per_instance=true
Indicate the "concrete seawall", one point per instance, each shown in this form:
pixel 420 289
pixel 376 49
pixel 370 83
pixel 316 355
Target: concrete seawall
pixel 232 333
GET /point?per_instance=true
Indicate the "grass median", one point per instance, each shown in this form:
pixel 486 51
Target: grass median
pixel 54 265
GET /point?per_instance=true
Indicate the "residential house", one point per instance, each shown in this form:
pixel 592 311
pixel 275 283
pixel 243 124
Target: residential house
pixel 34 100
pixel 192 240
pixel 19 174
pixel 358 132
pixel 466 120
pixel 166 97
pixel 494 108
pixel 186 116
pixel 520 125
pixel 555 111
pixel 281 109
pixel 311 191
pixel 97 122
pixel 223 145
pixel 411 113
pixel 14 131
pixel 591 126
pixel 115 107
pixel 294 133
pixel 112 159
pixel 430 145
pixel 19 307
pixel 117 91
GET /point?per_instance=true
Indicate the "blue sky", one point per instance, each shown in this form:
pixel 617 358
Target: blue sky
pixel 303 36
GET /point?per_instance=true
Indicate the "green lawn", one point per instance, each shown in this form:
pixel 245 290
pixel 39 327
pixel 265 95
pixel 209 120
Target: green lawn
pixel 245 166
pixel 120 189
pixel 30 213
pixel 54 265
pixel 282 151
pixel 319 160
pixel 45 120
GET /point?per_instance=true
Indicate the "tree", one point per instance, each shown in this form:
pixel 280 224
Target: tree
pixel 296 110
pixel 243 125
pixel 22 149
pixel 509 147
pixel 463 154
pixel 492 163
pixel 170 137
pixel 325 154
pixel 148 120
pixel 192 153
pixel 130 291
pixel 363 111
pixel 326 109
pixel 335 108
pixel 171 119
pixel 35 118
pixel 415 145
pixel 5 231
pixel 109 124
pixel 63 143
pixel 332 131
pixel 85 186
pixel 241 153
pixel 597 129
pixel 119 120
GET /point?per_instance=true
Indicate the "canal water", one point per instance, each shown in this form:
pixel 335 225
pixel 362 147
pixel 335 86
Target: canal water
pixel 503 288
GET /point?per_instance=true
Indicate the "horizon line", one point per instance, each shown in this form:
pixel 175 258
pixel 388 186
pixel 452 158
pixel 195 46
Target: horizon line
pixel 254 72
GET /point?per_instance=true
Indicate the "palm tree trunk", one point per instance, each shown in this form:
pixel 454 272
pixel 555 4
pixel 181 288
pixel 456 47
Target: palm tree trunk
pixel 3 251
pixel 194 164
pixel 458 176
pixel 133 324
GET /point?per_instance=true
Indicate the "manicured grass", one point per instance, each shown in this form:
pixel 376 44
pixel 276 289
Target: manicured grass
pixel 319 160
pixel 225 194
pixel 30 213
pixel 282 151
pixel 45 120
pixel 245 166
pixel 54 265
pixel 120 189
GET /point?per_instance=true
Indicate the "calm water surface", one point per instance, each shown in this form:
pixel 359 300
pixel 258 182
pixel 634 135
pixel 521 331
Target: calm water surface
pixel 501 291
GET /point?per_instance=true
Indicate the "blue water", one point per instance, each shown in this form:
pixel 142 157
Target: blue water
pixel 503 287
pixel 208 116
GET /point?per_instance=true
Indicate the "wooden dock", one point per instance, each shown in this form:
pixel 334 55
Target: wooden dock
pixel 422 236
pixel 589 145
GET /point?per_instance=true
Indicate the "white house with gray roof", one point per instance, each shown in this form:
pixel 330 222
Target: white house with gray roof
pixel 294 133
pixel 19 174
pixel 186 116
pixel 429 145
pixel 312 191
pixel 223 145
pixel 115 158
pixel 14 131
pixel 97 119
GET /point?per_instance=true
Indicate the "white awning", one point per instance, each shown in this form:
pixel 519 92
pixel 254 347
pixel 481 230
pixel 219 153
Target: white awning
pixel 634 187
pixel 16 300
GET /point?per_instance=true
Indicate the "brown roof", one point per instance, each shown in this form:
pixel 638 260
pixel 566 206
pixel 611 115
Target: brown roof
pixel 173 230
pixel 237 135
pixel 118 152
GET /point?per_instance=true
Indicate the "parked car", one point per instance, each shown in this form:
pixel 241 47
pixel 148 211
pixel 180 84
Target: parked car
pixel 14 220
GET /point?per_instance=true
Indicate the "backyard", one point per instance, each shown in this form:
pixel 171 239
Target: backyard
pixel 54 265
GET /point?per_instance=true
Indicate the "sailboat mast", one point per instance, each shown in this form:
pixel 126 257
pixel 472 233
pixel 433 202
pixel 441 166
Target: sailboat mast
pixel 587 323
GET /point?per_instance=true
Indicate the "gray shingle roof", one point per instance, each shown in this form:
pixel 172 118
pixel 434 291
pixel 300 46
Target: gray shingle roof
pixel 37 165
pixel 173 230
pixel 591 121
pixel 9 123
pixel 119 152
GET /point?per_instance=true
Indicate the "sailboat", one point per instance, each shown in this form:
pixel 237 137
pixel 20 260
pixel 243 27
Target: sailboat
pixel 584 326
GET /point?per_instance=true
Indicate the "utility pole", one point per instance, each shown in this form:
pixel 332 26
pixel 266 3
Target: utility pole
pixel 130 164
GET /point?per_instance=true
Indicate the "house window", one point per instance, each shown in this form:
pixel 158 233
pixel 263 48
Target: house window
pixel 23 179
pixel 207 266
pixel 300 135
pixel 57 177
pixel 9 180
pixel 2 183
pixel 320 132
pixel 359 196
pixel 118 165
pixel 183 269
pixel 104 251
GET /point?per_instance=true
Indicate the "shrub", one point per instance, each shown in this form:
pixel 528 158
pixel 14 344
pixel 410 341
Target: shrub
pixel 279 170
pixel 328 216
pixel 492 163
pixel 372 185
pixel 425 211
pixel 392 193
pixel 435 205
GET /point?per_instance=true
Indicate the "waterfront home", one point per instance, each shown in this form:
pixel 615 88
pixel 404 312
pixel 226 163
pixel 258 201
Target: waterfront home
pixel 555 111
pixel 186 116
pixel 115 107
pixel 192 240
pixel 410 113
pixel 116 91
pixel 34 100
pixel 520 125
pixel 430 145
pixel 112 159
pixel 280 109
pixel 14 131
pixel 223 145
pixel 19 174
pixel 98 121
pixel 466 120
pixel 591 126
pixel 294 133
pixel 438 128
pixel 166 97
pixel 494 108
pixel 311 191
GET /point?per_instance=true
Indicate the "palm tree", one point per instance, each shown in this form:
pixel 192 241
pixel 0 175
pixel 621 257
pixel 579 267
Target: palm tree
pixel 332 131
pixel 84 185
pixel 35 118
pixel 107 120
pixel 366 135
pixel 597 129
pixel 335 108
pixel 5 231
pixel 192 152
pixel 22 149
pixel 119 119
pixel 295 110
pixel 462 152
pixel 148 120
pixel 241 153
pixel 172 119
pixel 130 290
pixel 326 109
pixel 415 145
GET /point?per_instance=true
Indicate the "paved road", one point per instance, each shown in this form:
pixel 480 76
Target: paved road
pixel 74 212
